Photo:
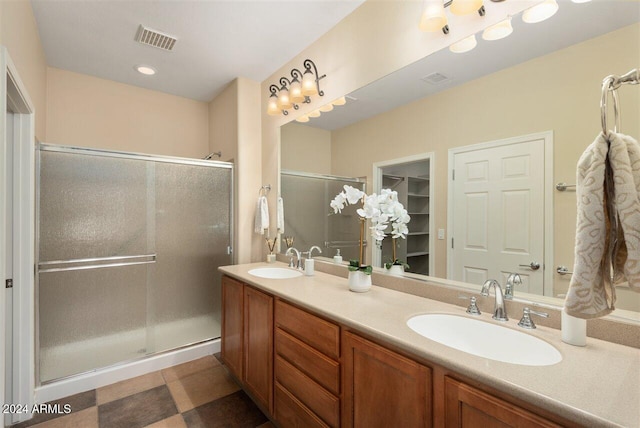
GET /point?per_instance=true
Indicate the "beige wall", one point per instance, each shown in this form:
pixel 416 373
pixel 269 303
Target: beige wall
pixel 223 119
pixel 88 111
pixel 305 148
pixel 361 48
pixel 19 34
pixel 558 92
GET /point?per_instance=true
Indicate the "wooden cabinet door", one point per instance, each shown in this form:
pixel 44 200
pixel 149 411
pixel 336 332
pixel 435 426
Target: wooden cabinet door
pixel 232 325
pixel 258 346
pixel 382 388
pixel 469 407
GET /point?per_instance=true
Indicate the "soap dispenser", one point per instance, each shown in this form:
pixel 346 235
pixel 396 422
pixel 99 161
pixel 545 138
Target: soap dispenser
pixel 337 259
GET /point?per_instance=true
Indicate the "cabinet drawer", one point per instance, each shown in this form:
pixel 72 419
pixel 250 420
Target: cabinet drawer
pixel 314 331
pixel 317 366
pixel 317 399
pixel 292 413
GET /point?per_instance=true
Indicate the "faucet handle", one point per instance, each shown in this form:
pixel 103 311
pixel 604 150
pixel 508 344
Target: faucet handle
pixel 526 321
pixel 473 307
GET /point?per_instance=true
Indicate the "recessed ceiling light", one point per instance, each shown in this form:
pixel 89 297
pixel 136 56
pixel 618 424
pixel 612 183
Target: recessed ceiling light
pixel 146 70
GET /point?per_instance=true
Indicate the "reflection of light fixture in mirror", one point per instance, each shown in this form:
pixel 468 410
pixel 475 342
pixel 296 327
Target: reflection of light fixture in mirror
pixel 340 101
pixel 498 31
pixel 465 7
pixel 325 108
pixel 303 119
pixel 464 45
pixel 315 113
pixel 297 90
pixel 433 17
pixel 540 12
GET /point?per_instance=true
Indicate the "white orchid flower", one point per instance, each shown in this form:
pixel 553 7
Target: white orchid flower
pixel 352 194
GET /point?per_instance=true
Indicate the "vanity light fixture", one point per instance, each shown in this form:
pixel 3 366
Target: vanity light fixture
pixel 325 108
pixel 146 70
pixel 433 17
pixel 315 113
pixel 540 12
pixel 303 119
pixel 464 45
pixel 340 101
pixel 498 31
pixel 298 90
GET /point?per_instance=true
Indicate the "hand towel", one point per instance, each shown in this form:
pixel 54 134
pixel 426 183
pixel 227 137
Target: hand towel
pixel 262 215
pixel 608 225
pixel 280 215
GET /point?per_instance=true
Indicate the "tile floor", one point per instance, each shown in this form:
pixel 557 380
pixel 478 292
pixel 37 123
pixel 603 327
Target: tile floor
pixel 199 393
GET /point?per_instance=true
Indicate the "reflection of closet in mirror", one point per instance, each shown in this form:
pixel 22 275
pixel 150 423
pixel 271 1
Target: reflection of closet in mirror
pixel 412 182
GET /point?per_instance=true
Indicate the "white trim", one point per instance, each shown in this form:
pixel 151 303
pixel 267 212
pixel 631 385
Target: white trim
pixel 376 253
pixel 547 136
pixel 109 375
pixel 23 349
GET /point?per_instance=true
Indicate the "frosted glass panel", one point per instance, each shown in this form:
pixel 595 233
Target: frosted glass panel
pixel 128 254
pixel 91 318
pixel 92 206
pixel 193 205
pixel 306 201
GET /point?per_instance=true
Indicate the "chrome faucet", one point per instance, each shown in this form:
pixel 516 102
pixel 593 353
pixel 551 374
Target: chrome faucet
pixel 296 265
pixel 315 247
pixel 499 310
pixel 513 280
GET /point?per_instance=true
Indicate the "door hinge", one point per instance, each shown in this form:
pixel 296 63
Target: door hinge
pixel 8 283
pixel 451 242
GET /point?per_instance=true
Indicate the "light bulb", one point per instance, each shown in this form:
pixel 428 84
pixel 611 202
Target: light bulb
pixel 309 87
pixel 433 17
pixel 325 108
pixel 540 12
pixel 284 102
pixel 146 70
pixel 498 31
pixel 295 92
pixel 465 7
pixel 272 106
pixel 464 45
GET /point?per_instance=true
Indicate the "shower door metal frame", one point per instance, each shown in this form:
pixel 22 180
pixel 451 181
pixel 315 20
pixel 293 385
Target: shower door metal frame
pixel 123 260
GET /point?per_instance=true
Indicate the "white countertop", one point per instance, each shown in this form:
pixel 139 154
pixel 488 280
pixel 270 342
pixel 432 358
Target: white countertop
pixel 596 385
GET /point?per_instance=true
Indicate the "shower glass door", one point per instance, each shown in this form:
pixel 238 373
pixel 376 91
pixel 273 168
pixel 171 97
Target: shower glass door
pixel 129 247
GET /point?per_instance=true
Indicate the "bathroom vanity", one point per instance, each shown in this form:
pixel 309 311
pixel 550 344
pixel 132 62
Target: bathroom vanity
pixel 312 354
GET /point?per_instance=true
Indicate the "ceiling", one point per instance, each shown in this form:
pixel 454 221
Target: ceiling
pixel 217 40
pixel 572 24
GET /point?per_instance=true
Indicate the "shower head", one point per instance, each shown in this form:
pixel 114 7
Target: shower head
pixel 210 155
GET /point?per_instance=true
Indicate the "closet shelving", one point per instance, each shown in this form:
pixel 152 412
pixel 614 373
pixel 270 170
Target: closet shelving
pixel 413 192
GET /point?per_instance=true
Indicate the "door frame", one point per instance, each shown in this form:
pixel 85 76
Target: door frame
pixel 22 343
pixel 547 136
pixel 376 253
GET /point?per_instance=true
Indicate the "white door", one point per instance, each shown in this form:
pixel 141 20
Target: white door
pixel 498 214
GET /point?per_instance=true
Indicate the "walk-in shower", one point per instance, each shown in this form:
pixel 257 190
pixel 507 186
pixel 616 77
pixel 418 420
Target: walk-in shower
pixel 128 251
pixel 306 199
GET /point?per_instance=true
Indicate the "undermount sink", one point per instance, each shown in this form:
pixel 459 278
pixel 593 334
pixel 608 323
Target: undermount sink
pixel 485 339
pixel 275 273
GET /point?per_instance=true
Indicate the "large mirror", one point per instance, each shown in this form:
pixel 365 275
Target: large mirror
pixel 541 84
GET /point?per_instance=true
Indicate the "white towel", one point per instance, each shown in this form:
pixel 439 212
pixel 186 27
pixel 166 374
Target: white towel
pixel 262 215
pixel 603 216
pixel 280 215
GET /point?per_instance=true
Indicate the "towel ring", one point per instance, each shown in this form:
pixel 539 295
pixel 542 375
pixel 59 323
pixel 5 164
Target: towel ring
pixel 609 85
pixel 264 190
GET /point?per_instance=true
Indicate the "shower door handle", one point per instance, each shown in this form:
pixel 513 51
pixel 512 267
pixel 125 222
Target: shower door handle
pixel 80 264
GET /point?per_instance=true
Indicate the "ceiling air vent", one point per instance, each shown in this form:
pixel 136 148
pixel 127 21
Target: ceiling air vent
pixel 435 78
pixel 154 38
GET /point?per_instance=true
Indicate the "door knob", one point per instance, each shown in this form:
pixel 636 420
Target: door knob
pixel 532 266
